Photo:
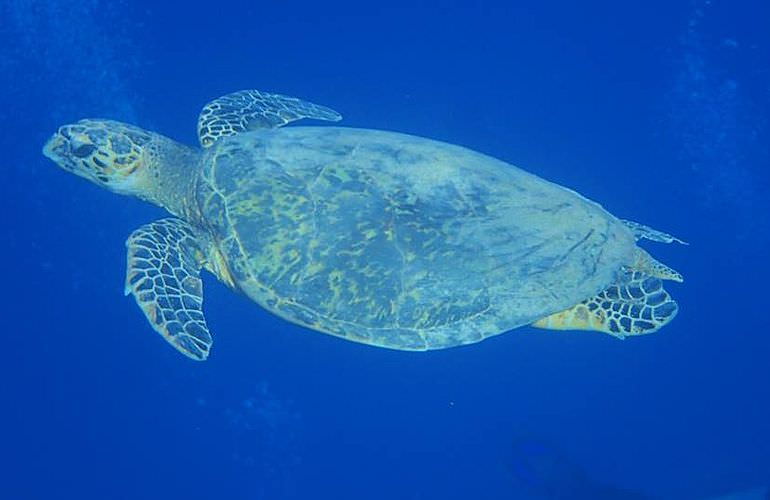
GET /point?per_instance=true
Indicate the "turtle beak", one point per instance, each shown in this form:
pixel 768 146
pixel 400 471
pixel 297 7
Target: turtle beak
pixel 62 149
pixel 55 142
pixel 56 150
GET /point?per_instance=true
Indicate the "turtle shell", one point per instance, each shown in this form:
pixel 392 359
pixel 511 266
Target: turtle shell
pixel 400 241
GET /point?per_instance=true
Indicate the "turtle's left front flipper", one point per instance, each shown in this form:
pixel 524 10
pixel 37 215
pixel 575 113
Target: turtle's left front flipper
pixel 253 109
pixel 164 263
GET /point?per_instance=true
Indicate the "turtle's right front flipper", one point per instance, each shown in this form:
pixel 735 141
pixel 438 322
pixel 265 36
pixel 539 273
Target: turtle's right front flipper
pixel 164 263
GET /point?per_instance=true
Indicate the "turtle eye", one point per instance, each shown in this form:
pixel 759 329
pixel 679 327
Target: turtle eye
pixel 83 150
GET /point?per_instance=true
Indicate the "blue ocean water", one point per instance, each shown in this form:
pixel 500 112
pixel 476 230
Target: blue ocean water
pixel 659 110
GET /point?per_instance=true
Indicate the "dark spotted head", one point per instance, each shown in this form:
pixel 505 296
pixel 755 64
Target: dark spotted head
pixel 109 153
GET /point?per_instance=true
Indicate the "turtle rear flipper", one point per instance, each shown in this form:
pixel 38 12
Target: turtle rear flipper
pixel 164 263
pixel 642 232
pixel 636 305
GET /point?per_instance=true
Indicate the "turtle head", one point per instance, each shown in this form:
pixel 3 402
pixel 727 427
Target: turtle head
pixel 111 154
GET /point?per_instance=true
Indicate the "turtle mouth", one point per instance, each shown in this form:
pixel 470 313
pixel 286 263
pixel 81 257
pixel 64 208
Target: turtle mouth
pixel 52 145
pixel 63 150
pixel 57 151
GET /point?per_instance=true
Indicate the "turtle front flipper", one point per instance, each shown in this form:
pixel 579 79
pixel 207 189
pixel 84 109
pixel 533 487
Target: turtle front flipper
pixel 635 305
pixel 253 109
pixel 164 263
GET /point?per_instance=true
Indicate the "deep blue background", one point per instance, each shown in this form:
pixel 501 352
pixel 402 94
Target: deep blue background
pixel 660 110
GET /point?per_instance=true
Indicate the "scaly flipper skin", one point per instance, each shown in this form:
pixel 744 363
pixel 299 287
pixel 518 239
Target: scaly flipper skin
pixel 164 263
pixel 253 109
pixel 636 305
pixel 647 264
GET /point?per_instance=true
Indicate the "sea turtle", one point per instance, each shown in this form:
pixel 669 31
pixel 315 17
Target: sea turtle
pixel 377 237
